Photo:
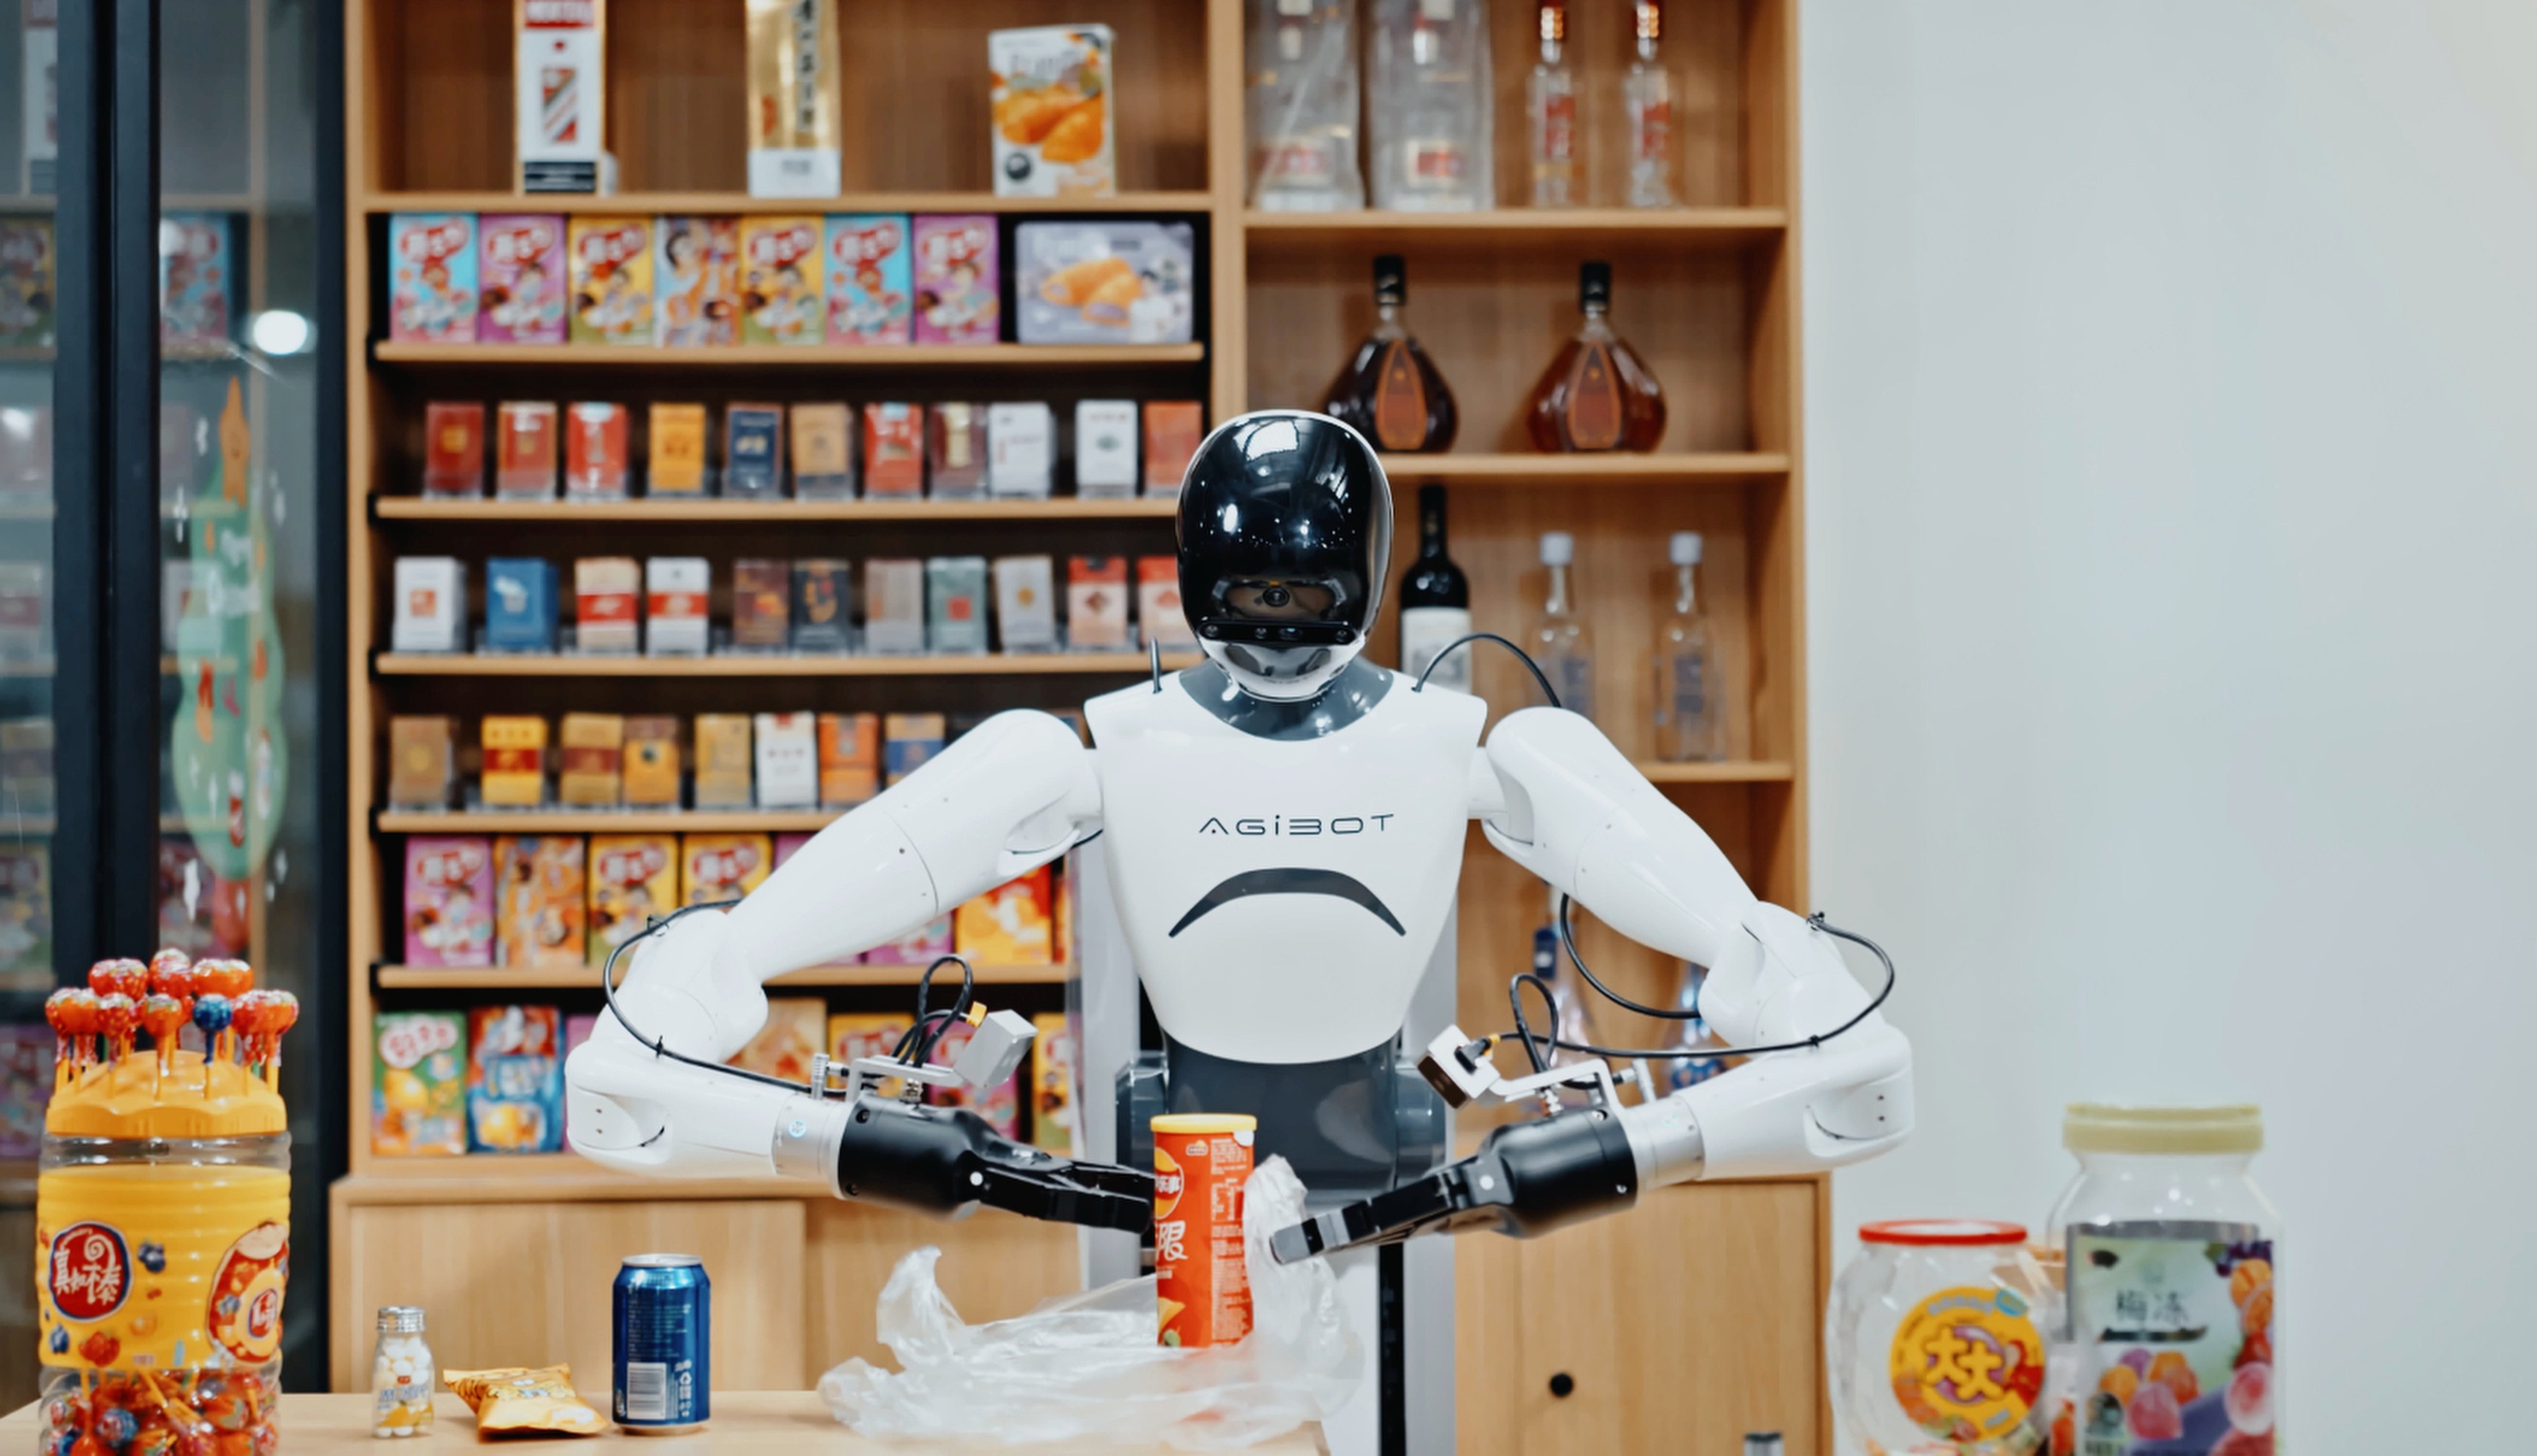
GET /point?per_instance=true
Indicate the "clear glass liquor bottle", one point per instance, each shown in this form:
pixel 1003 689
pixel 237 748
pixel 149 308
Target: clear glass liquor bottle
pixel 1303 103
pixel 1550 113
pixel 1690 720
pixel 1596 394
pixel 1563 645
pixel 1388 391
pixel 1428 132
pixel 1646 97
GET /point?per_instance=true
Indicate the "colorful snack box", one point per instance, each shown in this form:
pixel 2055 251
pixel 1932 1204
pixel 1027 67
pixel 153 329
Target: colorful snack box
pixel 544 890
pixel 595 450
pixel 453 450
pixel 893 605
pixel 1011 924
pixel 1096 604
pixel 676 591
pixel 893 451
pixel 560 100
pixel 525 450
pixel 1054 1116
pixel 1174 429
pixel 780 280
pixel 822 588
pixel 26 288
pixel 607 603
pixel 1105 448
pixel 761 607
pixel 854 1034
pixel 922 946
pixel 956 604
pixel 999 1106
pixel 1026 604
pixel 793 98
pixel 723 761
pixel 419 1084
pixel 519 604
pixel 1158 603
pixel 25 1087
pixel 514 1079
pixel 824 452
pixel 699 272
pixel 678 463
pixel 752 455
pixel 612 280
pixel 448 900
pixel 1203 1285
pixel 1022 450
pixel 958 281
pixel 715 867
pixel 787 761
pixel 632 878
pixel 908 739
pixel 1052 111
pixel 431 605
pixel 651 761
pixel 788 845
pixel 521 277
pixel 422 762
pixel 594 751
pixel 196 286
pixel 431 277
pixel 849 758
pixel 1095 282
pixel 796 1031
pixel 516 761
pixel 869 280
pixel 955 452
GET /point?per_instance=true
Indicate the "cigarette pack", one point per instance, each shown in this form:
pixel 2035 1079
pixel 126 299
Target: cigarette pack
pixel 515 760
pixel 893 451
pixel 27 282
pixel 715 867
pixel 448 900
pixel 921 946
pixel 869 280
pixel 1026 604
pixel 788 845
pixel 722 761
pixel 431 277
pixel 893 605
pixel 519 604
pixel 1000 1107
pixel 543 908
pixel 824 452
pixel 195 279
pixel 780 279
pixel 957 282
pixel 431 605
pixel 632 878
pixel 422 762
pixel 592 747
pixel 1158 603
pixel 612 280
pixel 752 453
pixel 1173 430
pixel 1105 448
pixel 849 758
pixel 561 101
pixel 608 594
pixel 793 98
pixel 595 450
pixel 1054 1115
pixel 524 449
pixel 761 609
pixel 788 760
pixel 1052 111
pixel 1022 450
pixel 699 273
pixel 1121 282
pixel 521 276
pixel 956 604
pixel 1009 924
pixel 796 1031
pixel 419 1084
pixel 514 1079
pixel 821 620
pixel 652 760
pixel 1097 603
pixel 908 739
pixel 854 1034
pixel 678 448
pixel 453 450
pixel 676 592
pixel 955 452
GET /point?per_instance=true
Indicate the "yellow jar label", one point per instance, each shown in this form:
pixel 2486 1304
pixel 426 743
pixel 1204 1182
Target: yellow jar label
pixel 146 1266
pixel 1967 1363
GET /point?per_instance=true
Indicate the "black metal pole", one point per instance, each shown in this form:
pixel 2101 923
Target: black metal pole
pixel 1392 1298
pixel 128 703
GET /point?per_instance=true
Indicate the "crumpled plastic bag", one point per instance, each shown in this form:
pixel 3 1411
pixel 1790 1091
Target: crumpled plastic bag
pixel 1086 1364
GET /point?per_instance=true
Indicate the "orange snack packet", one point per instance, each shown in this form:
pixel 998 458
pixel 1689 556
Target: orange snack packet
pixel 1202 1289
pixel 516 1398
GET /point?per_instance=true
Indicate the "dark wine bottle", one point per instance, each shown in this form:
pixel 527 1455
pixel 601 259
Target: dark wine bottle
pixel 1390 392
pixel 1435 602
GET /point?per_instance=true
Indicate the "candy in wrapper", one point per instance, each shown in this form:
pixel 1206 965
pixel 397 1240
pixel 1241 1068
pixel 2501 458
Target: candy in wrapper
pixel 515 1398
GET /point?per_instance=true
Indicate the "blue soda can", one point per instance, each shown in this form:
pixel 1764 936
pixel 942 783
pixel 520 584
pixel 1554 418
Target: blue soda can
pixel 664 1335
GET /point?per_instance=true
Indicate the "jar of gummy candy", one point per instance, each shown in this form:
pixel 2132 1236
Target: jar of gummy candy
pixel 1935 1341
pixel 163 1205
pixel 2169 1256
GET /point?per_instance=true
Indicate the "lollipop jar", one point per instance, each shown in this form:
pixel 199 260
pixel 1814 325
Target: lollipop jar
pixel 1935 1344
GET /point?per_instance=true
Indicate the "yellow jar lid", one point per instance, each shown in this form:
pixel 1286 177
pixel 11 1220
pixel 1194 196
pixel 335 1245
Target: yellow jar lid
pixel 128 1098
pixel 2102 1127
pixel 1188 1123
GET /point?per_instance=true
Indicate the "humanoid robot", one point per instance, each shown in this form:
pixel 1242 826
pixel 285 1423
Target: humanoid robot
pixel 1283 827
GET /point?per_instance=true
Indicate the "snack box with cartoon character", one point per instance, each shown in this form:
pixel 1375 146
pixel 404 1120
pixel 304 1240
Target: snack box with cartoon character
pixel 868 279
pixel 448 900
pixel 544 903
pixel 716 867
pixel 795 1032
pixel 999 1106
pixel 1123 282
pixel 854 1034
pixel 520 277
pixel 516 1079
pixel 1009 924
pixel 431 279
pixel 780 276
pixel 419 1084
pixel 195 286
pixel 26 284
pixel 700 282
pixel 612 280
pixel 632 878
pixel 958 280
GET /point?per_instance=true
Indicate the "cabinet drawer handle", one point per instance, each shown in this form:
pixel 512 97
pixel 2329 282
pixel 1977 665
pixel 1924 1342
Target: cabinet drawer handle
pixel 1562 1384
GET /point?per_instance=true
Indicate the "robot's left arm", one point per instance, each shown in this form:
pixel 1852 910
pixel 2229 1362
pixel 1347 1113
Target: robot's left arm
pixel 1553 794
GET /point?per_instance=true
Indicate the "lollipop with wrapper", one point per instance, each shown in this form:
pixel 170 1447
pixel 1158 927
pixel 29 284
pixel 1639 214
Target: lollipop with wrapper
pixel 124 978
pixel 163 1016
pixel 116 1017
pixel 212 1018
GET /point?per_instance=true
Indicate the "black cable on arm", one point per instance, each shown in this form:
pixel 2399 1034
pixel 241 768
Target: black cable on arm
pixel 657 1046
pixel 1529 664
pixel 1524 1026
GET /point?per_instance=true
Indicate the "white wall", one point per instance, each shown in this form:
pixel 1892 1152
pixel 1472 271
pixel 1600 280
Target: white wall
pixel 2173 427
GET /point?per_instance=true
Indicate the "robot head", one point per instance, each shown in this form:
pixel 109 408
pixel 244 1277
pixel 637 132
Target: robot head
pixel 1286 534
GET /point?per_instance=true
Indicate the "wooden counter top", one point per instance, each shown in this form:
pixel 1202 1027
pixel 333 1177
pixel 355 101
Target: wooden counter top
pixel 745 1422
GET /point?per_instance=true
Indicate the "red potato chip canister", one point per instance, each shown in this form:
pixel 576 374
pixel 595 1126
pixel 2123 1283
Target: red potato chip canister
pixel 1202 1289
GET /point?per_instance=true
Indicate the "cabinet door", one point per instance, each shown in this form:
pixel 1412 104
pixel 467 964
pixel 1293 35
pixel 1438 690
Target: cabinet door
pixel 994 1266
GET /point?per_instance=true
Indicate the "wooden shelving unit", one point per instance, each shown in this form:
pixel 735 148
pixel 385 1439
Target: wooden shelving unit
pixel 1707 292
pixel 586 977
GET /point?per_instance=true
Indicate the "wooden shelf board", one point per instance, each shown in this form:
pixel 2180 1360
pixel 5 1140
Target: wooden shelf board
pixel 586 977
pixel 821 356
pixel 643 203
pixel 604 821
pixel 739 665
pixel 1565 470
pixel 777 512
pixel 1619 226
pixel 542 1178
pixel 1733 771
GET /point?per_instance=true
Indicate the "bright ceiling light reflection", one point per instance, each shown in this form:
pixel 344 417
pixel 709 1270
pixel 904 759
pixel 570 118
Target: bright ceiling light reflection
pixel 278 330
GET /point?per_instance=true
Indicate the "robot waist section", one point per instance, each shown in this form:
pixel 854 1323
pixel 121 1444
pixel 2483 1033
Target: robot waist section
pixel 1352 1126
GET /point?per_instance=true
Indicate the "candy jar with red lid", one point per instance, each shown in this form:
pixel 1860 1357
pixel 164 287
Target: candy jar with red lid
pixel 1935 1341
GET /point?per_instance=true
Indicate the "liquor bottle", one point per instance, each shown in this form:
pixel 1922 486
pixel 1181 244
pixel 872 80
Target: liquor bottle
pixel 1563 646
pixel 1390 392
pixel 1689 723
pixel 1303 103
pixel 1428 124
pixel 1646 99
pixel 1550 115
pixel 1435 602
pixel 1596 394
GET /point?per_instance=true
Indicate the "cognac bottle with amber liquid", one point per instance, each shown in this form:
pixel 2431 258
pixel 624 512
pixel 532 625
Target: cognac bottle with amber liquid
pixel 1390 392
pixel 1596 394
